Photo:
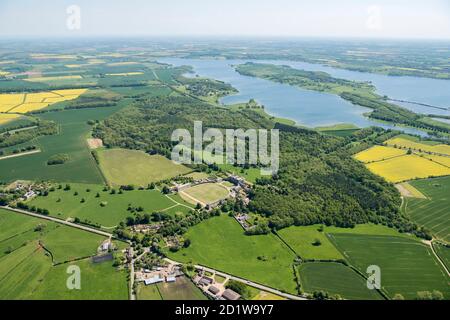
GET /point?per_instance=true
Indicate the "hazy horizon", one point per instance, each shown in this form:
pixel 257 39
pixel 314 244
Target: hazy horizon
pixel 361 19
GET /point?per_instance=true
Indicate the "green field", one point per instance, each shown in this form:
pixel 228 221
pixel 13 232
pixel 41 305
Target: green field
pixel 99 281
pixel 444 253
pixel 65 204
pixel 248 174
pixel 148 292
pixel 71 140
pixel 220 243
pixel 63 242
pixel 335 278
pixel 301 240
pixel 182 289
pixel 407 266
pixel 205 193
pixel 434 212
pixel 27 271
pixel 123 167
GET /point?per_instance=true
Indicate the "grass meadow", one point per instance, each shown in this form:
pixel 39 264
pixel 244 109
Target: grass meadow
pixel 100 205
pixel 220 243
pixel 123 167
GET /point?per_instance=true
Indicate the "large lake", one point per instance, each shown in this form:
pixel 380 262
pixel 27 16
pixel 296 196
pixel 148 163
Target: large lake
pixel 314 109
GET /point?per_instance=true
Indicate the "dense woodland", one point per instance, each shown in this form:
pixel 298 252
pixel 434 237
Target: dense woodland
pixel 318 181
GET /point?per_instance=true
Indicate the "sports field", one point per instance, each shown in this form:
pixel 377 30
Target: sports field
pixel 70 140
pixel 123 167
pixel 220 243
pixel 378 153
pixel 434 211
pixel 205 193
pixel 105 208
pixel 302 240
pixel 407 266
pixel 336 279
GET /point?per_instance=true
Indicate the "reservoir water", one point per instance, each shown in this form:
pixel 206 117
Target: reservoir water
pixel 312 108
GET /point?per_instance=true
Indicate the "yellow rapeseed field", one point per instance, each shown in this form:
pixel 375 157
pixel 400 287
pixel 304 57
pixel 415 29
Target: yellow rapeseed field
pixel 416 146
pixel 439 159
pixel 378 153
pixel 3 73
pixel 6 117
pixel 407 167
pixel 23 103
pixel 9 101
pixel 43 79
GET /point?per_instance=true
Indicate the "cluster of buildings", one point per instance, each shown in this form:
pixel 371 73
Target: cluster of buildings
pixel 213 289
pixel 168 273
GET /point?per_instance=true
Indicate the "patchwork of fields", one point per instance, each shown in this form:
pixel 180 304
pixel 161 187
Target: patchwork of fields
pixel 407 266
pixel 27 270
pixel 70 140
pixel 220 243
pixel 405 158
pixel 27 102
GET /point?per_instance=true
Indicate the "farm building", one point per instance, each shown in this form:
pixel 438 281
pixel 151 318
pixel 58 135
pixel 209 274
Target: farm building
pixel 229 294
pixel 205 281
pixel 213 290
pixel 153 280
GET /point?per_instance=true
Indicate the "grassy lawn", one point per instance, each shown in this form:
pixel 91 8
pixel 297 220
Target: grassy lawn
pixel 434 212
pixel 148 292
pixel 182 289
pixel 302 239
pixel 123 167
pixel 407 266
pixel 206 193
pixel 248 174
pixel 220 243
pixel 71 140
pixel 335 278
pixel 65 204
pixel 98 282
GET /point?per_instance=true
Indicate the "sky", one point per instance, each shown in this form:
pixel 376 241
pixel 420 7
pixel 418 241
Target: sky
pixel 428 19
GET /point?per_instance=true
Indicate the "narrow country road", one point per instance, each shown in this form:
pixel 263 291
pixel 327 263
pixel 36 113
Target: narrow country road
pixel 248 282
pixel 430 243
pixel 67 223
